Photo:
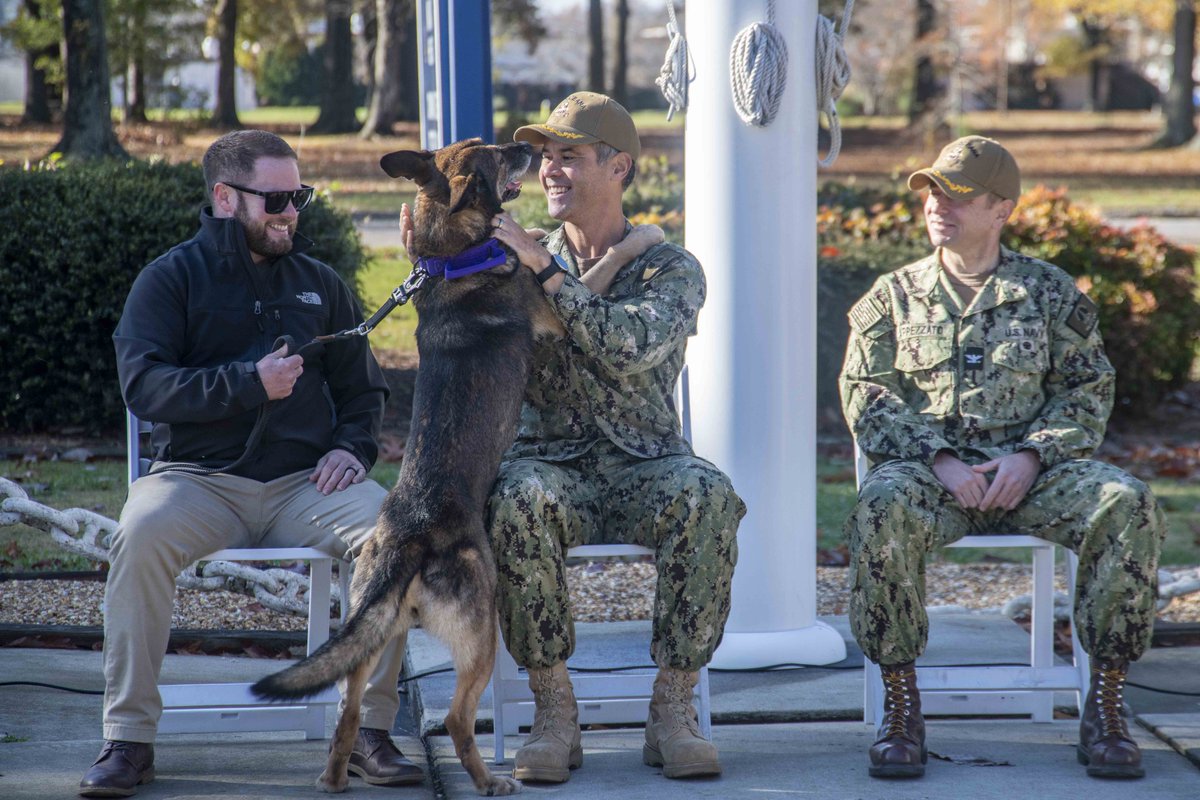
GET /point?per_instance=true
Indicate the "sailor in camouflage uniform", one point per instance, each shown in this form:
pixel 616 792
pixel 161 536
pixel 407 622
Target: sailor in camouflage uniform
pixel 976 382
pixel 599 457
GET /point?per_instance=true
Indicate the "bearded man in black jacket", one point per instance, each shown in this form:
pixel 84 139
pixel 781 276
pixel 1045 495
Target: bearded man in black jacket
pixel 196 355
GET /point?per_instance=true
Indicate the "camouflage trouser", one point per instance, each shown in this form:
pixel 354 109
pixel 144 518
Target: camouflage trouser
pixel 682 507
pixel 1108 517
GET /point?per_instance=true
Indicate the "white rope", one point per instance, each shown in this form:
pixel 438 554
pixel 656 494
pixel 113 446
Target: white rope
pixel 833 73
pixel 758 70
pixel 677 69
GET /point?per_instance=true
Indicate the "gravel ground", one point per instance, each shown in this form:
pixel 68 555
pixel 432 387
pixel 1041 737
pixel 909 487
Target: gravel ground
pixel 600 592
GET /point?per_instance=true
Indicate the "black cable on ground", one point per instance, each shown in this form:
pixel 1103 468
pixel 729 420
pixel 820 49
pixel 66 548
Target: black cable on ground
pixel 52 686
pixel 610 670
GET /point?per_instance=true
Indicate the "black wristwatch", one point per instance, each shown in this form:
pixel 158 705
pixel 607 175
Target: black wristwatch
pixel 556 266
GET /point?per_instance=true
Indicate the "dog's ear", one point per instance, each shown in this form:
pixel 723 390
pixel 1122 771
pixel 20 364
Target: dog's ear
pixel 463 190
pixel 416 165
pixel 475 187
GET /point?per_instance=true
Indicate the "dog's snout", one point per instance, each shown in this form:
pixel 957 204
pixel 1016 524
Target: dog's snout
pixel 519 156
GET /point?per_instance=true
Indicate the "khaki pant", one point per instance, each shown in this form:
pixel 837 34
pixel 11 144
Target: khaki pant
pixel 172 519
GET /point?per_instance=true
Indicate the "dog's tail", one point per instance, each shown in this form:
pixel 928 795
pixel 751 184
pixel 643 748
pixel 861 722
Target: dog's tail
pixel 370 627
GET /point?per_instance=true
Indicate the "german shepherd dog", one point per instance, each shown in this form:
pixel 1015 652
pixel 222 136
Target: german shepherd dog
pixel 430 559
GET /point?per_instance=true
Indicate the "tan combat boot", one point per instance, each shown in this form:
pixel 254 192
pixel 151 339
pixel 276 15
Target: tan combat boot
pixel 673 739
pixel 1105 745
pixel 552 749
pixel 899 749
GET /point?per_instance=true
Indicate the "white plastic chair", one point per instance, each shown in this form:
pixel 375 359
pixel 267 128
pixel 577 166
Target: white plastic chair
pixel 230 707
pixel 614 699
pixel 996 691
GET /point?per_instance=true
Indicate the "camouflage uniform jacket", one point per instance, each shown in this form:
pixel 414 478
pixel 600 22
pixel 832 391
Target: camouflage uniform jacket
pixel 1022 367
pixel 613 378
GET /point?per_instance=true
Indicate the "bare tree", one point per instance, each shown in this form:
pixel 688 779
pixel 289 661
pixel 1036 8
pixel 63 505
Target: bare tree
pixel 87 116
pixel 225 115
pixel 394 65
pixel 925 84
pixel 620 82
pixel 595 46
pixel 1179 107
pixel 135 94
pixel 337 78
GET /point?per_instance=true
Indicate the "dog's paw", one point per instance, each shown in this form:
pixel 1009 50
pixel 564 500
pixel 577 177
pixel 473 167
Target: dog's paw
pixel 500 785
pixel 332 786
pixel 641 239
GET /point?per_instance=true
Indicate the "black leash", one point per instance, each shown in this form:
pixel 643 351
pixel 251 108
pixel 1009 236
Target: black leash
pixel 400 295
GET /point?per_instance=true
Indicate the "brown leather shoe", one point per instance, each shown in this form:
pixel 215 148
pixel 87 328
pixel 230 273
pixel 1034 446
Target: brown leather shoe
pixel 1105 746
pixel 899 751
pixel 379 762
pixel 119 769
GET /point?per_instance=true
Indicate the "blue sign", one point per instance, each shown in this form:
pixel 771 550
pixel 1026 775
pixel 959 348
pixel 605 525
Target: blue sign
pixel 455 71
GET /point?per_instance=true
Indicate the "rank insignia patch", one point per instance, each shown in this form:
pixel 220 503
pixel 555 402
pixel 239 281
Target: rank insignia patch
pixel 1083 316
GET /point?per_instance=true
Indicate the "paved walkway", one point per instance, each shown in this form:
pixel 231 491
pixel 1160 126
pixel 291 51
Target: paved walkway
pixel 787 733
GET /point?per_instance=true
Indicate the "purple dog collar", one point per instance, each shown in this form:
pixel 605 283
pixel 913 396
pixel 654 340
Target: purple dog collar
pixel 468 262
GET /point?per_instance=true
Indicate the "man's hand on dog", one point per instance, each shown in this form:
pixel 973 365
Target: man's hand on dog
pixel 525 244
pixel 336 470
pixel 278 373
pixel 406 230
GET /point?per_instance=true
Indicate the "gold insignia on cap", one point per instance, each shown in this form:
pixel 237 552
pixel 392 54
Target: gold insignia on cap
pixel 951 185
pixel 560 132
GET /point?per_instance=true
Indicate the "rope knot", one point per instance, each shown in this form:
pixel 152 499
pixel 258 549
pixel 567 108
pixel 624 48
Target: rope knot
pixel 758 71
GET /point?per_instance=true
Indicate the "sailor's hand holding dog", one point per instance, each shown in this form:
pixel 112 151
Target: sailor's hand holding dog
pixel 336 470
pixel 278 373
pixel 529 250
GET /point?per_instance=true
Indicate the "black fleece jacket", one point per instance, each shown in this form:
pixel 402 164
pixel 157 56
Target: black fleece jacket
pixel 197 320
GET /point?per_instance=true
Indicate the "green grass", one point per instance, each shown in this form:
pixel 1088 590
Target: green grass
pixel 101 487
pixel 383 203
pixel 98 487
pixel 384 272
pixel 1132 199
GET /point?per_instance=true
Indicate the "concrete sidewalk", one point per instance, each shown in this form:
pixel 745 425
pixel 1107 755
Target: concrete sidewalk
pixel 791 733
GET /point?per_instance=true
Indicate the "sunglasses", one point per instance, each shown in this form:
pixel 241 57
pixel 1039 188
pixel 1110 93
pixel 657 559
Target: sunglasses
pixel 277 202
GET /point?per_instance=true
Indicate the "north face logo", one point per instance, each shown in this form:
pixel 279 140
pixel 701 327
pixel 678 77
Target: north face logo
pixel 312 298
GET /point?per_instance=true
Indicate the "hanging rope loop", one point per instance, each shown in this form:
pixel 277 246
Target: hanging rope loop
pixel 833 73
pixel 758 70
pixel 677 69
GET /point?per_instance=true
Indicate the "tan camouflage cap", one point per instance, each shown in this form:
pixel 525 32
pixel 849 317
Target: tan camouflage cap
pixel 971 166
pixel 586 118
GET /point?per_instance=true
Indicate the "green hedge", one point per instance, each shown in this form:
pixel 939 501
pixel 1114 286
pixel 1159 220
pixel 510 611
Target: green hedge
pixel 1145 286
pixel 72 239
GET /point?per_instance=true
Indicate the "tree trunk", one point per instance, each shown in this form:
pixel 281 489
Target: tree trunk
pixel 1095 35
pixel 135 87
pixel 225 115
pixel 1179 107
pixel 37 91
pixel 337 74
pixel 925 88
pixel 394 61
pixel 37 94
pixel 87 118
pixel 595 80
pixel 620 82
